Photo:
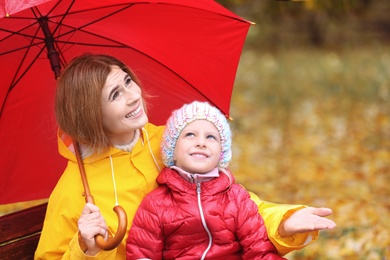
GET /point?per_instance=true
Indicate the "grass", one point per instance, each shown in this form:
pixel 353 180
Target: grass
pixel 313 127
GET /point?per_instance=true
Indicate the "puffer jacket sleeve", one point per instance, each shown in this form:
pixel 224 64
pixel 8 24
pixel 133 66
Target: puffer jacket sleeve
pixel 145 240
pixel 251 231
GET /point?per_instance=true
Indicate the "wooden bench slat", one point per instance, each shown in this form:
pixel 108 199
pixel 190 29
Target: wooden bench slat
pixel 20 232
pixel 23 222
pixel 23 249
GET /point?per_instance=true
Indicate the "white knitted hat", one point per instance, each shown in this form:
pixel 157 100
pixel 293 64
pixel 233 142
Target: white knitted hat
pixel 186 114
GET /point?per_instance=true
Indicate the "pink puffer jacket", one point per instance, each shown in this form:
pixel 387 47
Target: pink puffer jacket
pixel 169 225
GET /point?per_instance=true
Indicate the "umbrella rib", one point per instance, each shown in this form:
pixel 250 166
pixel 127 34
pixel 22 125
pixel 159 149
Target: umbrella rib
pixel 22 61
pixel 109 15
pixel 16 79
pixel 80 29
pixel 67 12
pixel 121 45
pixel 14 82
pixel 49 12
pixel 18 32
pixel 63 17
pixel 21 48
pixel 87 24
pixel 94 44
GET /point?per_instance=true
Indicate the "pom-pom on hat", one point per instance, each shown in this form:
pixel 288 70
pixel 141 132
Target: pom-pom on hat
pixel 188 113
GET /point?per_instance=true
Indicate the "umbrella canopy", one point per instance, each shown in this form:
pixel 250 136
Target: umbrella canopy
pixel 181 51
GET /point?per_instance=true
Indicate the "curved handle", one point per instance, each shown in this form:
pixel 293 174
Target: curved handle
pixel 113 242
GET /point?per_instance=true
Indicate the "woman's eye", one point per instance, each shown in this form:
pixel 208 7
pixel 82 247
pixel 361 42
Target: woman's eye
pixel 128 81
pixel 115 95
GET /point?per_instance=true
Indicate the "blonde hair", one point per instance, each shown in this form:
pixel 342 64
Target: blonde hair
pixel 78 106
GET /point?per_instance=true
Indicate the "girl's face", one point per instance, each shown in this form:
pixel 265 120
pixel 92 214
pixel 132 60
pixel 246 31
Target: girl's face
pixel 122 107
pixel 198 147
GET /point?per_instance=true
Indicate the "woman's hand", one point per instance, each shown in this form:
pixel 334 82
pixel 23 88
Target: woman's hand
pixel 90 224
pixel 306 220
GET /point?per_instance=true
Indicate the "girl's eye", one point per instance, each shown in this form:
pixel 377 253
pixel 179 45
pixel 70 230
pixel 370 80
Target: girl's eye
pixel 189 134
pixel 211 137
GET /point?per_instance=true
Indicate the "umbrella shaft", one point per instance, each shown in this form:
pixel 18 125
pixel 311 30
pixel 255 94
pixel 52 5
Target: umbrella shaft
pixel 52 53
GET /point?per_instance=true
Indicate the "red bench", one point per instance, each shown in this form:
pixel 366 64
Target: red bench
pixel 20 232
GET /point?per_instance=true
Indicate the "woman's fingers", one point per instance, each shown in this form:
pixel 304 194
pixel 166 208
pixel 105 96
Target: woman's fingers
pixel 90 224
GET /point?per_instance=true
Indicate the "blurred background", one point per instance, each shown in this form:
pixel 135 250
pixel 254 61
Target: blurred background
pixel 311 116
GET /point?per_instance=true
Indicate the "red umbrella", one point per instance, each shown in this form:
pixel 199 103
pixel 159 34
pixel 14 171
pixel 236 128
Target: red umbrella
pixel 181 51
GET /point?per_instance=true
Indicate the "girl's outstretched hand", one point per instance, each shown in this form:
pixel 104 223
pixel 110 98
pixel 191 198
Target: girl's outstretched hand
pixel 306 220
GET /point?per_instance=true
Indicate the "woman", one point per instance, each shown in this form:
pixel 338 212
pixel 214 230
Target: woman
pixel 100 104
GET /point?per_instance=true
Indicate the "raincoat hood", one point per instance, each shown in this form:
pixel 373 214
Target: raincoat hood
pixel 66 148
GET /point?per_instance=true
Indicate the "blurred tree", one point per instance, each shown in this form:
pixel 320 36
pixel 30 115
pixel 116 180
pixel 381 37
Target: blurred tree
pixel 321 23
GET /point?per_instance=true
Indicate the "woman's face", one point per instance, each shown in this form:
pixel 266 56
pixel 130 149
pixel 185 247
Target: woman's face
pixel 198 148
pixel 122 107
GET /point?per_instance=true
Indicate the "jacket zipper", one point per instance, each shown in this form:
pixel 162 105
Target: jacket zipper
pixel 198 192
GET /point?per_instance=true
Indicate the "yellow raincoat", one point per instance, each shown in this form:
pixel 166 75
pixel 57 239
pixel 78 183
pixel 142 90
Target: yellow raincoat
pixel 134 173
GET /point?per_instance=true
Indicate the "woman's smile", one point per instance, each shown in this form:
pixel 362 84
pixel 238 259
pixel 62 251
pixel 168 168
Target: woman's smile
pixel 134 113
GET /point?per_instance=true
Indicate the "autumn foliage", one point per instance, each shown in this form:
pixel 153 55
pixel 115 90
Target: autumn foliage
pixel 313 127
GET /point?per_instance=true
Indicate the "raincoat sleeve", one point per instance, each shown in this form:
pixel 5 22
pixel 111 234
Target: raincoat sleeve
pixel 75 251
pixel 273 214
pixel 59 237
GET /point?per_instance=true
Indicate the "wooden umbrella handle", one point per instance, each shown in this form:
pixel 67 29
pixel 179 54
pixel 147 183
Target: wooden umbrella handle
pixel 114 241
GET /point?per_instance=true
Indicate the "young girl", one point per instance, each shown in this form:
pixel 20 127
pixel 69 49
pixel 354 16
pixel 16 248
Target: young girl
pixel 100 104
pixel 198 211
